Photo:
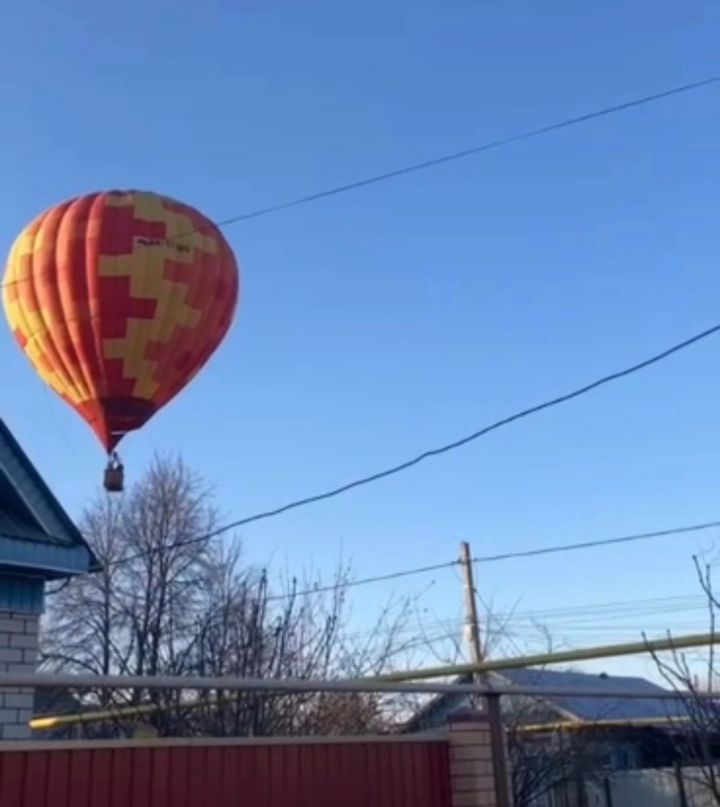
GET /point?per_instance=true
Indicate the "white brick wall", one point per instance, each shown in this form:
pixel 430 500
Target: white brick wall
pixel 18 653
pixel 471 761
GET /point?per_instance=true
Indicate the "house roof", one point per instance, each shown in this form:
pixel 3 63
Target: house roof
pixel 581 709
pixel 592 709
pixel 36 534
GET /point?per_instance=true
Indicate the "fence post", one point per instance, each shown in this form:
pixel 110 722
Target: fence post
pixel 680 784
pixel 477 761
pixel 608 792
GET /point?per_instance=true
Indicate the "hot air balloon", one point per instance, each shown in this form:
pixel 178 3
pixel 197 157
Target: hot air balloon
pixel 118 299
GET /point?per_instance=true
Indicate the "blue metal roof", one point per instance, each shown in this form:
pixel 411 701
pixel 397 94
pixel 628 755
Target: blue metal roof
pixel 36 534
pixel 592 709
pixel 583 709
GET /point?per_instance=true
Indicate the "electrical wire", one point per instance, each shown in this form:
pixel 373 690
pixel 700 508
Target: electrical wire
pixel 469 152
pixel 525 625
pixel 498 424
pixel 446 158
pixel 610 609
pixel 579 617
pixel 444 449
pixel 547 550
pixel 614 605
pixel 654 605
pixel 365 581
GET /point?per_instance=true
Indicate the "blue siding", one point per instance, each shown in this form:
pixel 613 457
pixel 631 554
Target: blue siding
pixel 52 559
pixel 24 594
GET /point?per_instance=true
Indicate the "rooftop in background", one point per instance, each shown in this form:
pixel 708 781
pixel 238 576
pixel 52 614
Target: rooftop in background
pixel 579 709
pixel 592 709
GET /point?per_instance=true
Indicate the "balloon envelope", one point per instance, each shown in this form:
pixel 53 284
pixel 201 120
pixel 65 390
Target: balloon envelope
pixel 118 299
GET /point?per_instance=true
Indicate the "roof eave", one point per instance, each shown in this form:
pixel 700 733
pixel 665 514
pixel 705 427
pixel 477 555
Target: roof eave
pixel 56 509
pixel 48 560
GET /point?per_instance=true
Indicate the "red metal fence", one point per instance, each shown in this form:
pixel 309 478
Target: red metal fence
pixel 365 773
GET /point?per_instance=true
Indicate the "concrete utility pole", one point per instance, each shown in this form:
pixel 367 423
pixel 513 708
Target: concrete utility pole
pixel 472 627
pixel 472 622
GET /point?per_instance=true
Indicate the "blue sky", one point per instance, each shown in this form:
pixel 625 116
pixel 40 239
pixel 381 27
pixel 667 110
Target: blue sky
pixel 401 316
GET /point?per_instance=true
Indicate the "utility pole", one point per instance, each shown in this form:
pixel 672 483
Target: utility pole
pixel 472 628
pixel 472 622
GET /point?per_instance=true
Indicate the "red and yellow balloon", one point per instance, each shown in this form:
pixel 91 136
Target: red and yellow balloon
pixel 118 299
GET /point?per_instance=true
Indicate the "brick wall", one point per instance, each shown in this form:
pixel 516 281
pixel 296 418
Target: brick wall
pixel 18 654
pixel 473 767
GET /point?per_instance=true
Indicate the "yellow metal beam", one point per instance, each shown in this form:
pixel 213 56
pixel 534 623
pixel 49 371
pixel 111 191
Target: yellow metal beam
pixel 578 725
pixel 55 721
pixel 562 657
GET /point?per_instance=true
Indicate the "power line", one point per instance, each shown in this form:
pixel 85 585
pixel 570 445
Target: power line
pixel 634 627
pixel 602 609
pixel 580 617
pixel 645 605
pixel 497 424
pixel 365 580
pixel 459 155
pixel 589 618
pixel 446 158
pixel 547 550
pixel 435 452
pixel 679 602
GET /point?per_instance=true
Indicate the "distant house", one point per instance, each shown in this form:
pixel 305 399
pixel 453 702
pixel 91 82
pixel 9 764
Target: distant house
pixel 38 542
pixel 634 731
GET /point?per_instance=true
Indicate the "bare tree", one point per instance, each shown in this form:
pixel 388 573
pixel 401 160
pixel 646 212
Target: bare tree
pixel 135 615
pixel 541 762
pixel 552 761
pixel 247 631
pixel 543 758
pixel 695 717
pixel 170 601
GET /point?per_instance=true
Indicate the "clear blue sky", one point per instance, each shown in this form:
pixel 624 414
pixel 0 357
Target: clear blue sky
pixel 403 315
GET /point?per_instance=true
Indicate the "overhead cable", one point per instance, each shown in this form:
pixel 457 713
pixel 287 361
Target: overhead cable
pixel 464 153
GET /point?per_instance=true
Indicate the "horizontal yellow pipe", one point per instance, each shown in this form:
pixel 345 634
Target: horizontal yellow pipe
pixel 562 657
pixel 54 721
pixel 576 725
pixel 541 659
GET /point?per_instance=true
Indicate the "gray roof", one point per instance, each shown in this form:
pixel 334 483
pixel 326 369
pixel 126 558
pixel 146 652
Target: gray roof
pixel 593 709
pixel 435 713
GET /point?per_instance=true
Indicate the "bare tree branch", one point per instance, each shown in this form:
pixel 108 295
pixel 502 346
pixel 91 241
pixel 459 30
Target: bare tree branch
pixel 162 608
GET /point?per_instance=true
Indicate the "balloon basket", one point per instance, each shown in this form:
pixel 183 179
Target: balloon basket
pixel 114 475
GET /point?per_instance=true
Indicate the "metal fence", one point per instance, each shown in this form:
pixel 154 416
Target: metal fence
pixel 382 771
pixel 227 773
